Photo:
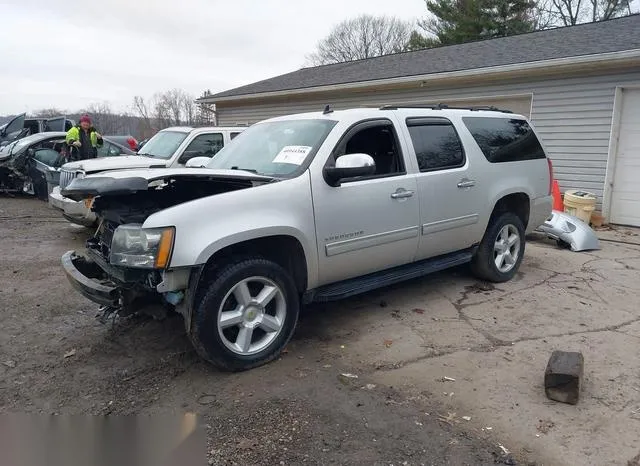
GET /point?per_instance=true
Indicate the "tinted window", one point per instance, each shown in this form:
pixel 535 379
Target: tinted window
pixel 505 140
pixel 233 135
pixel 436 144
pixel 206 145
pixel 109 150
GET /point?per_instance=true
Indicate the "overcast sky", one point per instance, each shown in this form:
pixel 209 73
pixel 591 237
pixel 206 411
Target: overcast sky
pixel 69 54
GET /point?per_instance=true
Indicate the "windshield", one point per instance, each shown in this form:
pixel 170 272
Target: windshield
pixel 163 145
pixel 276 148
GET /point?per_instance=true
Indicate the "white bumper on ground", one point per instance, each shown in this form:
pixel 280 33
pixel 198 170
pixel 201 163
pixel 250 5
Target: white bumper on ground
pixel 74 211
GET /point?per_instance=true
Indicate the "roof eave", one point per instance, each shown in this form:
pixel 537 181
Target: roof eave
pixel 512 70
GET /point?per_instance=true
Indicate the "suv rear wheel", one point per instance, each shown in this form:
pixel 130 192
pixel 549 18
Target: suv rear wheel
pixel 247 315
pixel 501 250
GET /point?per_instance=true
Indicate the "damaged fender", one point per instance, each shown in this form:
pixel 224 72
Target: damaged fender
pixel 570 230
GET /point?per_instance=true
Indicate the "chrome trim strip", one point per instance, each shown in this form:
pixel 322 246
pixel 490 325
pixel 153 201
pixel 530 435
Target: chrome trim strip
pixel 448 224
pixel 378 239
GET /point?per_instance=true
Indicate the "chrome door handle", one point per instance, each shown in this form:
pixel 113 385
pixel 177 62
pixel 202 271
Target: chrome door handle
pixel 465 183
pixel 401 194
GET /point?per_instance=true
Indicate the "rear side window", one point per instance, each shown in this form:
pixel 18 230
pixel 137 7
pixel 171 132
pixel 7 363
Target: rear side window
pixel 504 140
pixel 436 144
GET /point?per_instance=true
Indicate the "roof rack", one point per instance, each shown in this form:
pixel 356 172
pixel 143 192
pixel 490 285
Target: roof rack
pixel 441 106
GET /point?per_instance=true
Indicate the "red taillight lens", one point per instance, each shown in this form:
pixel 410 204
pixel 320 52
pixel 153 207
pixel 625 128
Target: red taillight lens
pixel 133 144
pixel 550 176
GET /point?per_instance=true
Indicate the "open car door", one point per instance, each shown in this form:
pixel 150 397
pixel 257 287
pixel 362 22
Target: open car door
pixel 56 124
pixel 13 129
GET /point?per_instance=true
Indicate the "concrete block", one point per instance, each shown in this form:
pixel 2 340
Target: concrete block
pixel 563 376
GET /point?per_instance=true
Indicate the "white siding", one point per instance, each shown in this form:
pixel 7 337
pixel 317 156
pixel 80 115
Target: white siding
pixel 572 114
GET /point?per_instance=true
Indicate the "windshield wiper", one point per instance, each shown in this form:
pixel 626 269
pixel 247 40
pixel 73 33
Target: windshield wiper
pixel 245 169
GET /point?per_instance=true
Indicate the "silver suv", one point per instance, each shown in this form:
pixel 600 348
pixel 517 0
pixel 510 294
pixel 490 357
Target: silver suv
pixel 312 207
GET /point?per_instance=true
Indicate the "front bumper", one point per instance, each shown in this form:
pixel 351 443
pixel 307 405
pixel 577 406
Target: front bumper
pixel 89 279
pixel 74 211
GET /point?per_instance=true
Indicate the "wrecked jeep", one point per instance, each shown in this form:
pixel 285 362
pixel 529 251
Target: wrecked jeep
pixel 312 207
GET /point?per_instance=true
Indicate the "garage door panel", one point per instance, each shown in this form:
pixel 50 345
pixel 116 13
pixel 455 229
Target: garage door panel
pixel 625 195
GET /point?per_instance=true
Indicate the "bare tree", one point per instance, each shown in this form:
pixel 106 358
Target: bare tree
pixel 552 13
pixel 206 112
pixel 170 108
pixel 365 36
pixel 141 109
pixel 49 113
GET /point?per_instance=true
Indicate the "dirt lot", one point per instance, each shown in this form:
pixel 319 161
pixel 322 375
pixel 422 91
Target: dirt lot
pixel 401 342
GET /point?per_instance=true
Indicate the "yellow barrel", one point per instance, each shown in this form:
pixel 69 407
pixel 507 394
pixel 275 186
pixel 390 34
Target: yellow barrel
pixel 580 204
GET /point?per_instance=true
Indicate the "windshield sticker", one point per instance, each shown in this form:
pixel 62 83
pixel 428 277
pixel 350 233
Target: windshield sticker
pixel 294 155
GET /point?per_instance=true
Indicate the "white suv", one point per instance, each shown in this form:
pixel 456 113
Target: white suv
pixel 312 207
pixel 169 148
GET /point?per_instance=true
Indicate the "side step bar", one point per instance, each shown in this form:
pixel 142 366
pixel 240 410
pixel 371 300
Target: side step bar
pixel 366 283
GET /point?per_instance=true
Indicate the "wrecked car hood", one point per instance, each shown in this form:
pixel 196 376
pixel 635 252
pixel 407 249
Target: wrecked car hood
pixel 121 162
pixel 131 181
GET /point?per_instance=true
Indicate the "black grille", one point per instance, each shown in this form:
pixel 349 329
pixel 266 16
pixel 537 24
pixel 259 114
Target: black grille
pixel 101 242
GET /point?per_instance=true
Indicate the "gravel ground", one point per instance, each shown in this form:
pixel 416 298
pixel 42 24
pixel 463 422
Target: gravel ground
pixel 56 357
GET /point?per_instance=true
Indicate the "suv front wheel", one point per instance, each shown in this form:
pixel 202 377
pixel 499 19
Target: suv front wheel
pixel 500 253
pixel 247 315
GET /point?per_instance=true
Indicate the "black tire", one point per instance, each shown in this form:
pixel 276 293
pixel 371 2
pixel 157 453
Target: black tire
pixel 39 191
pixel 483 264
pixel 205 334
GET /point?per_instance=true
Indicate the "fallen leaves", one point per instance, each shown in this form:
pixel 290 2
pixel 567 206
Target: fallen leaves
pixel 388 343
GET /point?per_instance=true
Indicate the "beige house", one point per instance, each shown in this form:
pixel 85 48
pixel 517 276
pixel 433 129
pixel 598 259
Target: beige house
pixel 579 85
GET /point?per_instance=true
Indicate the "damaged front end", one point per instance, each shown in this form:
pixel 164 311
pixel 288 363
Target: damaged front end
pixel 14 178
pixel 570 231
pixel 126 267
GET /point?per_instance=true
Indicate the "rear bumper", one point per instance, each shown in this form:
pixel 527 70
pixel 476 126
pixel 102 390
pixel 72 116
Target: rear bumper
pixel 541 208
pixel 74 211
pixel 85 276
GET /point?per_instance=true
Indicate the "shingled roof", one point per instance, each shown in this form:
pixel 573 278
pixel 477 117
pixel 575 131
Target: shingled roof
pixel 586 39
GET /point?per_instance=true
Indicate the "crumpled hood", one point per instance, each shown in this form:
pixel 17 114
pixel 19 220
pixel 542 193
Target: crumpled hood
pixel 121 162
pixel 131 181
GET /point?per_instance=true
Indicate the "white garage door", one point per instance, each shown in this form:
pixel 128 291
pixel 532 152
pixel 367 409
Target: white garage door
pixel 625 194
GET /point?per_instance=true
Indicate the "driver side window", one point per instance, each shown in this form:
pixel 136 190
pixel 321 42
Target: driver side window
pixel 377 139
pixel 205 145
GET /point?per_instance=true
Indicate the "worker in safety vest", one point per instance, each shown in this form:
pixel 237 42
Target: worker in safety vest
pixel 84 140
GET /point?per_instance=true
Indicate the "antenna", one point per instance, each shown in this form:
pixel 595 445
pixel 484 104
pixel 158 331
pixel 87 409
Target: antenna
pixel 327 110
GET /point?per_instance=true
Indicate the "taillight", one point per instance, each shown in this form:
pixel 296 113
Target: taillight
pixel 133 144
pixel 550 176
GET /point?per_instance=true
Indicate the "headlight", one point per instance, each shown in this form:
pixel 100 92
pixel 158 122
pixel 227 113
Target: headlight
pixel 149 248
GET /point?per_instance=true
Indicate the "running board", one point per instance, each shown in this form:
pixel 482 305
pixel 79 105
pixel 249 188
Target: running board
pixel 366 283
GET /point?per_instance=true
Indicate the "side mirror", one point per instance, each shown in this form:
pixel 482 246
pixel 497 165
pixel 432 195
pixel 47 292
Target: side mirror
pixel 349 166
pixel 197 162
pixel 187 155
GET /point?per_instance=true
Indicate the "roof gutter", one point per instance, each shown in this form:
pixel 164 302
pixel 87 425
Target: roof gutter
pixel 525 69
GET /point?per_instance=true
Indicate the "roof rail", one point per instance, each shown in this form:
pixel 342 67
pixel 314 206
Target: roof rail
pixel 442 106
